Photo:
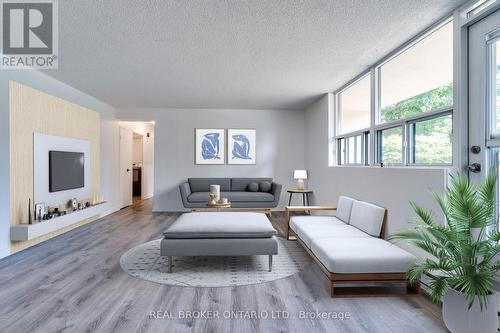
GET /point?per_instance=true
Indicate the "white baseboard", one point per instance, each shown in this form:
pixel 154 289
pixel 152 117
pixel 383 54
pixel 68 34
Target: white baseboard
pixel 109 211
pixel 5 252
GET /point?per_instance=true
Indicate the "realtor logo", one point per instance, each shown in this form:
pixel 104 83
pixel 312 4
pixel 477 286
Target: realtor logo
pixel 29 34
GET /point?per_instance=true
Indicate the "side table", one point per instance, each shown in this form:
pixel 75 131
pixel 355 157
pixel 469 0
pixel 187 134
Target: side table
pixel 305 196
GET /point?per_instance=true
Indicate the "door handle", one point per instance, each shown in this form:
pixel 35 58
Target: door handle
pixel 128 170
pixel 474 167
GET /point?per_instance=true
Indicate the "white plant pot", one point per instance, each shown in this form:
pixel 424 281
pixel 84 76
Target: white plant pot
pixel 458 318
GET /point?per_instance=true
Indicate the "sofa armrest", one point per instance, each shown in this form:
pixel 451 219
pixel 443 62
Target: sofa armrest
pixel 185 190
pixel 276 192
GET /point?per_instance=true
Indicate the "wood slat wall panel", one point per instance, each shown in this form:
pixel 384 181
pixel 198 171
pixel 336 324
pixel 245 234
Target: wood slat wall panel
pixel 32 111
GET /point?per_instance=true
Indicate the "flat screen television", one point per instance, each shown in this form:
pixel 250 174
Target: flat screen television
pixel 66 170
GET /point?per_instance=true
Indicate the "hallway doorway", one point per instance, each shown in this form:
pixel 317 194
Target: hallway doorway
pixel 136 161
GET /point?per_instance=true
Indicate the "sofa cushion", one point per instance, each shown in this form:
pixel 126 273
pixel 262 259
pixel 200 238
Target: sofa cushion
pixel 241 184
pixel 367 217
pixel 253 187
pixel 265 186
pixel 311 232
pixel 297 221
pixel 203 184
pixel 198 197
pixel 344 207
pixel 361 255
pixel 248 196
pixel 221 225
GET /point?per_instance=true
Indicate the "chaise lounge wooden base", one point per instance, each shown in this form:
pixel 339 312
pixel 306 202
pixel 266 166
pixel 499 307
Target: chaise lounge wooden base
pixel 341 284
pixel 333 280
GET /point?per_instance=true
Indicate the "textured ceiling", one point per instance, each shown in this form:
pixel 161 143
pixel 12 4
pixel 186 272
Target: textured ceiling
pixel 229 54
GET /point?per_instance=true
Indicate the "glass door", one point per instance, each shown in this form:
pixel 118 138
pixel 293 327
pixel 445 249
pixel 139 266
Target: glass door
pixel 484 97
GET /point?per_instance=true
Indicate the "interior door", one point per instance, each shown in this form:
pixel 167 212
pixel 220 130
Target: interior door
pixel 484 96
pixel 126 141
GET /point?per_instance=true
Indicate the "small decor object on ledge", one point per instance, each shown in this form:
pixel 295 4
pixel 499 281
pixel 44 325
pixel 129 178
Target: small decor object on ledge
pixel 30 218
pixel 210 145
pixel 242 146
pixel 39 211
pixel 300 175
pixel 74 204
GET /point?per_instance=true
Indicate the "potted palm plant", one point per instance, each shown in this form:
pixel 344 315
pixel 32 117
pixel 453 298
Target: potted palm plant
pixel 462 262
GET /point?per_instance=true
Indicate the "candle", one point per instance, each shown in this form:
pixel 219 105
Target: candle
pixel 215 189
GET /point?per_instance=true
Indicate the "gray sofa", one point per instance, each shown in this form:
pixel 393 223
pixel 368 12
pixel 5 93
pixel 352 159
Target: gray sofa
pixel 194 192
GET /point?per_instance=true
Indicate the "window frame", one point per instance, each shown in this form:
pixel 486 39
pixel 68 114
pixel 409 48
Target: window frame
pixel 338 113
pixel 365 139
pixel 378 144
pixel 371 142
pixel 408 145
pixel 411 137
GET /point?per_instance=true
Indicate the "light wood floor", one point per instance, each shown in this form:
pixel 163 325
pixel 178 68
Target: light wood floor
pixel 74 283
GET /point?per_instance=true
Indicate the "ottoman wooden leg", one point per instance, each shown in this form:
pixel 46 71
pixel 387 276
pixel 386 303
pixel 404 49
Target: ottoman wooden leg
pixel 170 264
pixel 270 263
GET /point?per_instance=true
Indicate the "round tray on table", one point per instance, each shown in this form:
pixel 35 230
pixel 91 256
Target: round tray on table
pixel 218 205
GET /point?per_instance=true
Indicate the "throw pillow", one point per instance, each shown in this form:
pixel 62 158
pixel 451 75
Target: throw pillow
pixel 265 186
pixel 253 187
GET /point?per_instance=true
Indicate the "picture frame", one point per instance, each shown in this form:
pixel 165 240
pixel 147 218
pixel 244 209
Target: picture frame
pixel 39 211
pixel 210 146
pixel 242 146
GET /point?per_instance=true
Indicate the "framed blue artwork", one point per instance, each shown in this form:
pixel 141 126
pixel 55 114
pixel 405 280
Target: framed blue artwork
pixel 241 146
pixel 210 146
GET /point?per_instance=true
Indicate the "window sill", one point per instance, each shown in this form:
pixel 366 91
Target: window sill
pixel 396 167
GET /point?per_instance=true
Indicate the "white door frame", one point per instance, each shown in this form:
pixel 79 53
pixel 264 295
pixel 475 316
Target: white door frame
pixel 125 167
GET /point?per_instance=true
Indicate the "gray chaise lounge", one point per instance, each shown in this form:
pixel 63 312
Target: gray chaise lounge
pixel 195 191
pixel 349 247
pixel 220 234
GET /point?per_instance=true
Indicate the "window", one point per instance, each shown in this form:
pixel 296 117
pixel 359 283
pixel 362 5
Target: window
pixel 354 106
pixel 431 141
pixel 411 118
pixel 352 150
pixel 419 79
pixel 390 146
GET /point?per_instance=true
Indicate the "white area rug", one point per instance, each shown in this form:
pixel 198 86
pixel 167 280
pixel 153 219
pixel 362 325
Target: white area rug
pixel 144 262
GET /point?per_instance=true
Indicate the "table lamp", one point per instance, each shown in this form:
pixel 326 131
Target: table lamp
pixel 300 175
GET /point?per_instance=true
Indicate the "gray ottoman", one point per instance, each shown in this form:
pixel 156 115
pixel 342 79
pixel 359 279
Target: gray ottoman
pixel 220 234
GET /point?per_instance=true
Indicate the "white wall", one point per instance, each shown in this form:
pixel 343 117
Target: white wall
pixel 280 147
pixel 147 159
pixel 392 188
pixel 109 141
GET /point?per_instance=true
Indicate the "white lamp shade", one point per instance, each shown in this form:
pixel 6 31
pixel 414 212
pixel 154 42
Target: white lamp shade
pixel 300 174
